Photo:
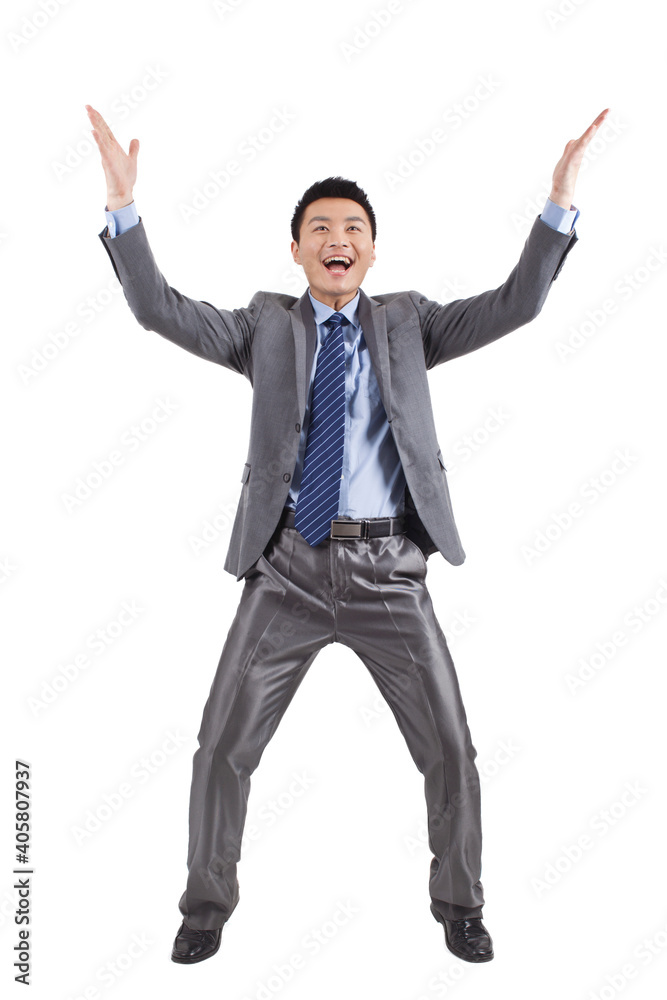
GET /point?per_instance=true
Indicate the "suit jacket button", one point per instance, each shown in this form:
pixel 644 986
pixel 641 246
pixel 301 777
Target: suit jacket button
pixel 287 477
pixel 297 427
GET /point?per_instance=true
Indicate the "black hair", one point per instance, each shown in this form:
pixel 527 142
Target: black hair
pixel 331 187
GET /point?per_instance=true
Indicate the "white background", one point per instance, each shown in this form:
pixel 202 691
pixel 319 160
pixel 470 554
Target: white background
pixel 552 759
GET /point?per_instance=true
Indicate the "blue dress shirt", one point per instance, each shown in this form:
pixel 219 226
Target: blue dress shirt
pixel 372 482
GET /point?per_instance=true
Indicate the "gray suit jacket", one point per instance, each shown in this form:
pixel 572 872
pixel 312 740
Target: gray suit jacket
pixel 272 342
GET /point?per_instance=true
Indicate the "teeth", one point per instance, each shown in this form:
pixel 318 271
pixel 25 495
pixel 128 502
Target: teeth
pixel 344 260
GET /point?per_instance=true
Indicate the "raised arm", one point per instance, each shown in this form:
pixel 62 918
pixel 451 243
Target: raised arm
pixel 218 335
pixel 465 325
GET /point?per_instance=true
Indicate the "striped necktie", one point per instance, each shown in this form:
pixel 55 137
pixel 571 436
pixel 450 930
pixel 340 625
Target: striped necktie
pixel 319 490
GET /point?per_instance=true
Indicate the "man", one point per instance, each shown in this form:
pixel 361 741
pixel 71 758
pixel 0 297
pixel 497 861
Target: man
pixel 344 497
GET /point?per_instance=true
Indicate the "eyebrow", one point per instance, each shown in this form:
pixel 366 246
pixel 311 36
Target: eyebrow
pixel 326 218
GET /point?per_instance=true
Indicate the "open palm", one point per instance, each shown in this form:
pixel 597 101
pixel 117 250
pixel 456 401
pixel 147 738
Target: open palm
pixel 120 168
pixel 567 168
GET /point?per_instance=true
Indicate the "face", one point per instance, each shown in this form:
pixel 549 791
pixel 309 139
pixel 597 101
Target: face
pixel 334 227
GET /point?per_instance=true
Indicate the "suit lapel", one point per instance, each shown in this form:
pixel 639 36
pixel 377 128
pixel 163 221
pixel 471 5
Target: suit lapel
pixel 372 316
pixel 305 337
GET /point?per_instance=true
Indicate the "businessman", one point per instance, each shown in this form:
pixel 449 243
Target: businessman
pixel 344 497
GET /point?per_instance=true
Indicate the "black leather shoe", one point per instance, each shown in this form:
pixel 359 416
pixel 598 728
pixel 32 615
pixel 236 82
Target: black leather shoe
pixel 467 938
pixel 194 946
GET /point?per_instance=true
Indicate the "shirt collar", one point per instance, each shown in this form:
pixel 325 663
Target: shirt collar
pixel 324 312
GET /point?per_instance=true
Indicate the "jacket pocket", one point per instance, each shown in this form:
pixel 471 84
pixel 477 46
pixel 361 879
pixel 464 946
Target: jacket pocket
pixel 246 472
pixel 440 459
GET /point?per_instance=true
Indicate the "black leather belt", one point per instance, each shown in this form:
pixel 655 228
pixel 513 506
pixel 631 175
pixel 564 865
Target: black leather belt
pixel 365 527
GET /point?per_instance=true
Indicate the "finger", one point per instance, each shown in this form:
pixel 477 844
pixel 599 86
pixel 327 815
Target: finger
pixel 105 148
pixel 594 126
pixel 99 140
pixel 95 117
pixel 106 135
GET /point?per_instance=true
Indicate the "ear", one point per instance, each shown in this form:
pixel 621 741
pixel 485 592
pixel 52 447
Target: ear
pixel 295 252
pixel 372 256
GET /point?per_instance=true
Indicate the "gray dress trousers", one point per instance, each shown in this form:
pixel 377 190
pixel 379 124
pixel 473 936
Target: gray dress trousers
pixel 369 594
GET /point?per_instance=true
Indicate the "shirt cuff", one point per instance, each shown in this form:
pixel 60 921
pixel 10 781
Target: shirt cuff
pixel 559 218
pixel 121 219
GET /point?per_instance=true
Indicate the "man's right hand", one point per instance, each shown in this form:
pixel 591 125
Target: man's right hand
pixel 120 168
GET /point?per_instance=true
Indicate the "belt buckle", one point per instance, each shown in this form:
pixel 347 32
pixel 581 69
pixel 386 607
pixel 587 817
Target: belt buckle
pixel 349 529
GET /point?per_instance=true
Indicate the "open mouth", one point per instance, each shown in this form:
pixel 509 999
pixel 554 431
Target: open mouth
pixel 337 264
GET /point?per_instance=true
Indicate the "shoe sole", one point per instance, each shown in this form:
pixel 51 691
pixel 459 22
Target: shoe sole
pixel 464 958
